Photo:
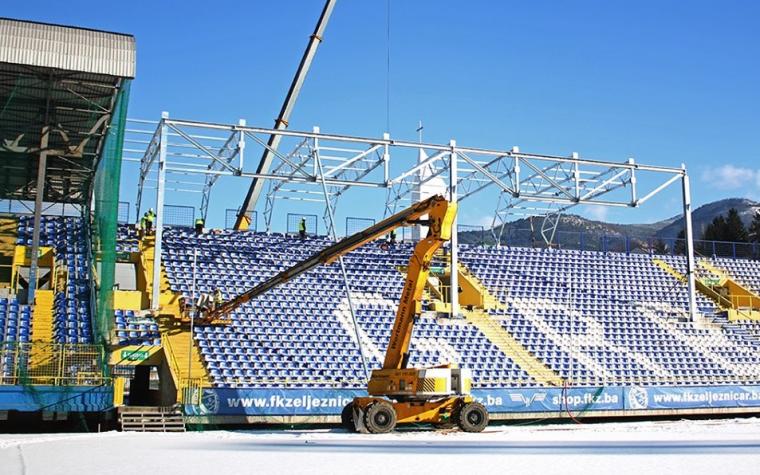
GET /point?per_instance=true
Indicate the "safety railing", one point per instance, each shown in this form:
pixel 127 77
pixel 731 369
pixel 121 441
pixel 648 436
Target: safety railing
pixel 191 390
pixel 745 302
pixel 170 356
pixel 57 364
pixel 637 244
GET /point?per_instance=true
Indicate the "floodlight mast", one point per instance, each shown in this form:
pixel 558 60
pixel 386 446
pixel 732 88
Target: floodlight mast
pixel 249 204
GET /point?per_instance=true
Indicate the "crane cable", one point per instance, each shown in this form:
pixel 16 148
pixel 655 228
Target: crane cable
pixel 388 66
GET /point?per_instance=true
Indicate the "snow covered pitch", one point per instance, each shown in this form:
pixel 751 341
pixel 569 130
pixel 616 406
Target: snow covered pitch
pixel 694 447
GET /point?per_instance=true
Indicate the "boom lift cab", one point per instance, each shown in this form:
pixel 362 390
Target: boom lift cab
pixel 397 394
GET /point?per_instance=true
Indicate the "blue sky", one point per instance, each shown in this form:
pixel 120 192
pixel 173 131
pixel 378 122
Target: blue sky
pixel 665 82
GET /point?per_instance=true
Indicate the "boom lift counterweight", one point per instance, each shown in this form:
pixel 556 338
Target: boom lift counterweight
pixel 396 394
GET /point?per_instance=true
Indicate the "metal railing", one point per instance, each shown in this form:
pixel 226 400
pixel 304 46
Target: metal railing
pixel 57 364
pixel 191 390
pixel 745 302
pixel 170 356
pixel 582 241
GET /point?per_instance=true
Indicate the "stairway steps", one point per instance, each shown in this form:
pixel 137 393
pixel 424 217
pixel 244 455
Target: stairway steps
pixel 151 420
pixel 493 330
pixel 176 336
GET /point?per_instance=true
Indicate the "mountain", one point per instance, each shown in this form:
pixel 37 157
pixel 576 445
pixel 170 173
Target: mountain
pixel 704 215
pixel 571 227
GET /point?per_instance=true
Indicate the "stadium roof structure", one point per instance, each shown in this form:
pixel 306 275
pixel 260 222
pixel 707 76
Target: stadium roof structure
pixel 58 87
pixel 190 156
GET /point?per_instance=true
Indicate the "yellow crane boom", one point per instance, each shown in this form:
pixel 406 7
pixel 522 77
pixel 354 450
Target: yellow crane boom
pixel 438 395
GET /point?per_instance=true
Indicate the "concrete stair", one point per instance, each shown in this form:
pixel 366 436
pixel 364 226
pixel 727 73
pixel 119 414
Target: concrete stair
pixel 493 330
pixel 151 419
pixel 42 355
pixel 181 351
pixel 42 320
pixel 487 300
pixel 730 296
pixel 8 234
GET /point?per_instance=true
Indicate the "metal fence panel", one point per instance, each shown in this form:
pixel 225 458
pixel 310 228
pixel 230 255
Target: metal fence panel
pixel 176 215
pixel 56 364
pixel 123 214
pixel 476 234
pixel 311 223
pixel 354 225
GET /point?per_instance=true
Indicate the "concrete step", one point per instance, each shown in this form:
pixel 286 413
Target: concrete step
pixel 151 419
pixel 493 330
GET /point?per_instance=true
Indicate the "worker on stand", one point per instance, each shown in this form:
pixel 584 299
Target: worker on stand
pixel 302 229
pixel 218 299
pixel 393 237
pixel 141 227
pixel 150 217
pixel 199 226
pixel 203 305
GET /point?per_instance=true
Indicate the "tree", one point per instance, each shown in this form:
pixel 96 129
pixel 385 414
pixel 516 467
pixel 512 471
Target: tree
pixel 659 247
pixel 754 228
pixel 735 230
pixel 680 245
pixel 716 231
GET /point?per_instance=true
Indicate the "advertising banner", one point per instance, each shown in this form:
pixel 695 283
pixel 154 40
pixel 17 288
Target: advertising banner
pixel 56 398
pixel 290 402
pixel 690 397
pixel 272 402
pixel 320 402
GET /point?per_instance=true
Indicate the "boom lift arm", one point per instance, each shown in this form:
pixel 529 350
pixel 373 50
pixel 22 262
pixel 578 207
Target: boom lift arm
pixel 435 206
pixel 438 395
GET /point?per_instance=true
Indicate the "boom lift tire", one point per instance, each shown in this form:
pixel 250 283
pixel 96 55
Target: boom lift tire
pixel 473 417
pixel 347 417
pixel 444 425
pixel 380 418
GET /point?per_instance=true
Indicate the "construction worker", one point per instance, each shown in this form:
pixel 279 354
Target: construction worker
pixel 218 299
pixel 203 304
pixel 302 229
pixel 150 217
pixel 393 237
pixel 142 225
pixel 199 226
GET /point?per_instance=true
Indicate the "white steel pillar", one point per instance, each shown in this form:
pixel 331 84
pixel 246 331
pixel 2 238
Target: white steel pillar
pixel 689 235
pixel 333 233
pixel 161 189
pixel 38 201
pixel 454 291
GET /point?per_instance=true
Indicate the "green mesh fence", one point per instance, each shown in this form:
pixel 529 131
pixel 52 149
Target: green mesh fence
pixel 106 215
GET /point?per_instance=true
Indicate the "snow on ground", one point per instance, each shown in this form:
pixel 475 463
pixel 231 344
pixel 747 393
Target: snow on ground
pixel 694 447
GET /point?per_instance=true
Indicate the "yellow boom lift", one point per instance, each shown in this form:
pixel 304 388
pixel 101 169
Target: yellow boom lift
pixel 396 394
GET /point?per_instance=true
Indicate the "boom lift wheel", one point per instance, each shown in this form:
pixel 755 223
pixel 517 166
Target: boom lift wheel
pixel 380 418
pixel 473 417
pixel 347 417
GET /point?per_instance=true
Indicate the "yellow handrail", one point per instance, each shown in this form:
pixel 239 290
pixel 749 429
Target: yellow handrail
pixel 170 357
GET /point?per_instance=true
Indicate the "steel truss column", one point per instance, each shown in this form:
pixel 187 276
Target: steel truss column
pixel 327 217
pixel 689 235
pixel 292 169
pixel 35 251
pixel 454 279
pixel 146 162
pixel 330 213
pixel 506 198
pixel 226 155
pixel 549 227
pixel 159 231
